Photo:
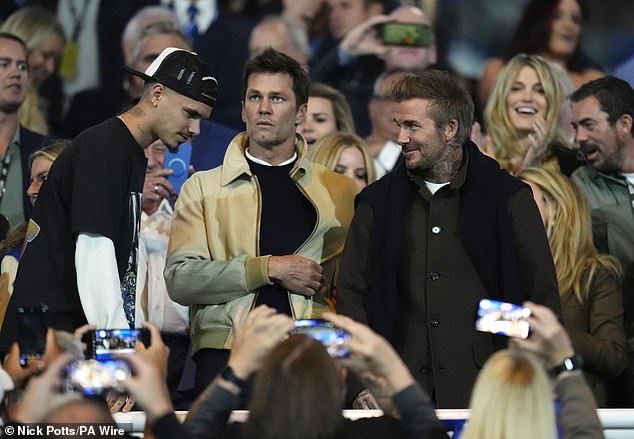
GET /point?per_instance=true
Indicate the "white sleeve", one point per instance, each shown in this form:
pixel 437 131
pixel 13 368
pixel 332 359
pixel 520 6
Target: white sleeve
pixel 98 281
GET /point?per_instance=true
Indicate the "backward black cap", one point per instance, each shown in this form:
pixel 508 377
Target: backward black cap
pixel 184 72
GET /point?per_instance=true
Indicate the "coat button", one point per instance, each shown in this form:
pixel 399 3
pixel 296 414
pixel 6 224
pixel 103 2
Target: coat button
pixel 436 230
pixel 434 276
pixel 424 370
pixel 435 323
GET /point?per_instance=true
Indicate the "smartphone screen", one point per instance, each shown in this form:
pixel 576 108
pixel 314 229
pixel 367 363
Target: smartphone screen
pixel 406 34
pixel 92 377
pixel 179 163
pixel 334 339
pixel 503 318
pixel 104 344
pixel 32 328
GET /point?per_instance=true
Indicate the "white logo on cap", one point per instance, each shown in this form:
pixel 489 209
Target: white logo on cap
pixel 154 66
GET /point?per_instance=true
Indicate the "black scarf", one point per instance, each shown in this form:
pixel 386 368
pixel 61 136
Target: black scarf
pixel 485 227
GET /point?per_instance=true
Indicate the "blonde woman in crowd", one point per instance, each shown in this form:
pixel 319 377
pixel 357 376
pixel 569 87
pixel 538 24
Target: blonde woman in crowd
pixel 523 117
pixel 328 111
pixel 45 40
pixel 40 163
pixel 345 154
pixel 589 283
pixel 514 396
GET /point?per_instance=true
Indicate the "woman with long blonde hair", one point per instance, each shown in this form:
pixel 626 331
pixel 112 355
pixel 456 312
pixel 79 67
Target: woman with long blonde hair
pixel 589 282
pixel 523 116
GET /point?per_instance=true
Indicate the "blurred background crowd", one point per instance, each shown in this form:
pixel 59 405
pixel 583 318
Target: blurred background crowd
pixel 521 61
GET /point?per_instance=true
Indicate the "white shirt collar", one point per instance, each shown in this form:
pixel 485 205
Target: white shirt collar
pixel 265 163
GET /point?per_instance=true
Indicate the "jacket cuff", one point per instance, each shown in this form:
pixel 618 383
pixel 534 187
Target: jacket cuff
pixel 257 272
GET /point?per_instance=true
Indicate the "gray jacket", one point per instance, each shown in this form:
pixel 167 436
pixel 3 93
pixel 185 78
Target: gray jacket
pixel 612 212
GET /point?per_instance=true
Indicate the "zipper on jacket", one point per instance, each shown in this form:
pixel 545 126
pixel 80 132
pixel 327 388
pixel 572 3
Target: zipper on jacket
pixel 306 240
pixel 257 234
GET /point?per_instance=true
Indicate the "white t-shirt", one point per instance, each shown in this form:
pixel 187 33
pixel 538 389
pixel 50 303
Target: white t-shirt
pixel 434 187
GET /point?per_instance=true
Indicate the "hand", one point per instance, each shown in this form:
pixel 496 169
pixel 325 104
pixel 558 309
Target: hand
pixel 296 273
pixel 83 330
pixel 156 186
pixel 537 143
pixel 158 353
pixel 79 332
pixel 147 386
pixel 548 337
pixel 365 400
pixel 43 393
pixel 20 374
pixel 119 402
pixel 364 39
pixel 34 366
pixel 373 352
pixel 261 331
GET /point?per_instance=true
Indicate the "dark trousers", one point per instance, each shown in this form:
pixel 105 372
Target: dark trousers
pixel 178 356
pixel 209 363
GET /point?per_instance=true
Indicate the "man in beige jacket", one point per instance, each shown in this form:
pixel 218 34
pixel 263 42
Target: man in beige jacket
pixel 266 227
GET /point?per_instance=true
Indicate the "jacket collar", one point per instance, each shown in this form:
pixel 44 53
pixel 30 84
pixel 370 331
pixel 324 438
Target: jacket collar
pixel 596 175
pixel 235 164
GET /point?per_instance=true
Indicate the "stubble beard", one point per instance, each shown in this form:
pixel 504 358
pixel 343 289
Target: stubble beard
pixel 9 107
pixel 442 170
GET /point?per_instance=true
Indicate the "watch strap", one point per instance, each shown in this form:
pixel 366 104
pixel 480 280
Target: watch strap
pixel 229 375
pixel 574 363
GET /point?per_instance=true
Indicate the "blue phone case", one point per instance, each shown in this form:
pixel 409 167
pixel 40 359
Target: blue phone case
pixel 179 163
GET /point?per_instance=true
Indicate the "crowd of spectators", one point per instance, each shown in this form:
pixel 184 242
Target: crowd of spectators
pixel 227 261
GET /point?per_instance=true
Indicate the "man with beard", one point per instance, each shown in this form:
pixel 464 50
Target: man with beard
pixel 603 119
pixel 602 116
pixel 16 142
pixel 432 238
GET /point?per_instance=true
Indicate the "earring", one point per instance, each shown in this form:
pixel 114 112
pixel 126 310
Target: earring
pixel 155 103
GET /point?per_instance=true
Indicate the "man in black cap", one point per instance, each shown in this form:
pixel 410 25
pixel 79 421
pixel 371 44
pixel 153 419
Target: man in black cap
pixel 82 240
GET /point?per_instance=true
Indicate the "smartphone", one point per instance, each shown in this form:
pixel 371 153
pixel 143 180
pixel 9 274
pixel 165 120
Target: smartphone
pixel 92 377
pixel 104 344
pixel 32 327
pixel 503 318
pixel 334 339
pixel 394 33
pixel 179 162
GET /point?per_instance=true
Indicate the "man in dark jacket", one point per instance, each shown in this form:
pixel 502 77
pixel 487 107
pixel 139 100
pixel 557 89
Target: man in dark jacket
pixel 603 119
pixel 444 230
pixel 16 142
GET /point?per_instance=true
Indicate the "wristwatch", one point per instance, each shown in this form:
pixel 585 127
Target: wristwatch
pixel 229 375
pixel 570 364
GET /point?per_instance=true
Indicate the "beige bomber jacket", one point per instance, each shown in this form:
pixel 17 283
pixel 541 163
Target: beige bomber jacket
pixel 213 265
